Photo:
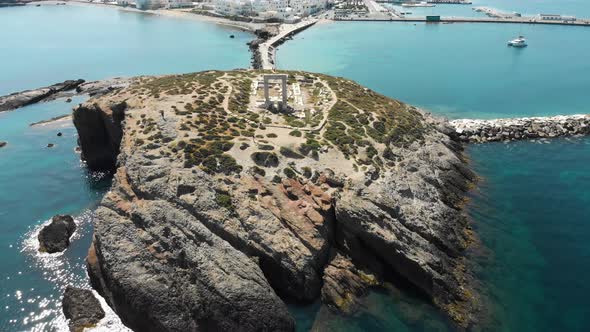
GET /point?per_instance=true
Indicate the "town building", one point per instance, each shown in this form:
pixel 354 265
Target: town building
pixel 556 17
pixel 157 4
pixel 269 9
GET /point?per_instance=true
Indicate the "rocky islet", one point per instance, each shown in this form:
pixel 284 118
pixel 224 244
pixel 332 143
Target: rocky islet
pixel 197 232
pixel 55 237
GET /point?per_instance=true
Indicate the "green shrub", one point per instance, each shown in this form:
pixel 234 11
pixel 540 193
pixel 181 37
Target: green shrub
pixel 295 133
pixel 265 159
pixel 258 170
pixel 290 153
pixel 307 172
pixel 290 173
pixel 224 200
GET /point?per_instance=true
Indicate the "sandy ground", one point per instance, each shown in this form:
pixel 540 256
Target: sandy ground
pixel 179 13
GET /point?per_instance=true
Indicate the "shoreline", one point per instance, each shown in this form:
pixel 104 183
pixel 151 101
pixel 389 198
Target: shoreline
pixel 181 14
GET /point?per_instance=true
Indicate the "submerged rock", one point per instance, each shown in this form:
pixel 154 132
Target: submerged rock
pixel 55 237
pixel 197 233
pixel 81 308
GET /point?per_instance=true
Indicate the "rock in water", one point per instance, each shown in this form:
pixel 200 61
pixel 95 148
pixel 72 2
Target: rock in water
pixel 202 232
pixel 2 144
pixel 55 237
pixel 81 308
pixel 344 284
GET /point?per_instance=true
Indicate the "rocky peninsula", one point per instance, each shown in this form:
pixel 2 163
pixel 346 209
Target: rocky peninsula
pixel 224 207
pixel 65 89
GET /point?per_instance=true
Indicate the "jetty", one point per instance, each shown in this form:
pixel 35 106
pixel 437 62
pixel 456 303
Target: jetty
pixel 267 50
pixel 453 19
pixel 501 130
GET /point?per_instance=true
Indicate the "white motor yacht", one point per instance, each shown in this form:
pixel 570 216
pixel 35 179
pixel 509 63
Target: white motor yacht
pixel 518 42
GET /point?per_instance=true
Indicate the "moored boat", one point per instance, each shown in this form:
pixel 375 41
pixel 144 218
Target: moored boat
pixel 518 42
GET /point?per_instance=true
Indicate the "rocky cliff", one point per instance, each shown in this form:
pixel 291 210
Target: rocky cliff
pixel 221 211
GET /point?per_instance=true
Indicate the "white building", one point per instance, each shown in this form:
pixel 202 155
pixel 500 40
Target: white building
pixel 178 3
pixel 232 7
pixel 308 7
pixel 268 9
pixel 156 4
pixel 556 17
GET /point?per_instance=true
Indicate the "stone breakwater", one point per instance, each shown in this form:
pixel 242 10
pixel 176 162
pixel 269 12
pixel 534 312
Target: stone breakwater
pixel 498 130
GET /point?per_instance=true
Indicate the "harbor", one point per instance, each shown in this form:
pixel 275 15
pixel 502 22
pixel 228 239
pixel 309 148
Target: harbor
pixel 380 11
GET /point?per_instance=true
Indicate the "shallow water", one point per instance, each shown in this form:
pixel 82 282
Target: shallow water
pixel 47 44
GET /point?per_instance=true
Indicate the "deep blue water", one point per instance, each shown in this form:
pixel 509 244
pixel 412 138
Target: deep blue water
pixel 531 209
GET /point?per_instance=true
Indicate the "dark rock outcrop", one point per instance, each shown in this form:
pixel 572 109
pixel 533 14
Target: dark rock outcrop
pixel 28 97
pixel 55 237
pixel 345 284
pixel 174 274
pixel 100 132
pixel 81 308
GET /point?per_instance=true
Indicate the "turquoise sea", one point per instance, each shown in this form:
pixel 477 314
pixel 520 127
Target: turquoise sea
pixel 531 209
pixel 43 45
pixel 458 70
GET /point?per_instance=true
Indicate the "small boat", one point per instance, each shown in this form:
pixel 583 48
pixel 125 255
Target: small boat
pixel 518 42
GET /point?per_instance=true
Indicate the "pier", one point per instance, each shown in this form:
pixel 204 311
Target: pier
pixel 501 130
pixel 267 50
pixel 452 19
